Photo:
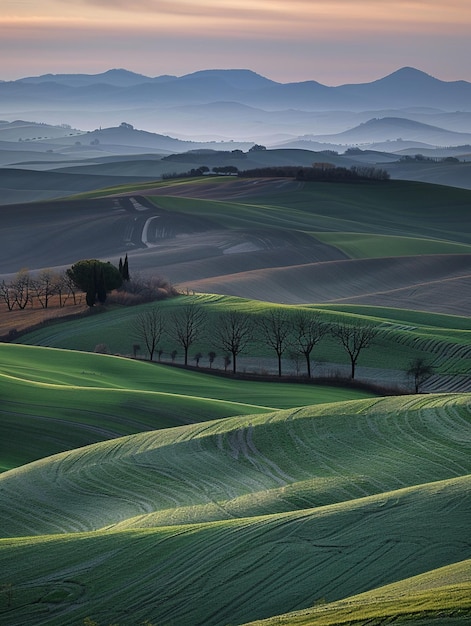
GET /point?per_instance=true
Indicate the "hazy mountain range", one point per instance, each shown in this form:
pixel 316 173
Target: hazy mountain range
pixel 234 104
pixel 66 133
pixel 404 88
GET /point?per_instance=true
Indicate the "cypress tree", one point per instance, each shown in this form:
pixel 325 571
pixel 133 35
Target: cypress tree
pixel 125 268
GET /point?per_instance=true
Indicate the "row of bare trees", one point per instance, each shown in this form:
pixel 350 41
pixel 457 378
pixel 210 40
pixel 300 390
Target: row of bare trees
pixel 37 289
pixel 234 332
pixel 24 289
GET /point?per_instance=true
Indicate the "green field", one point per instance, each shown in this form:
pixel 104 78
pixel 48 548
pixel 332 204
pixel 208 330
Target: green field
pixel 253 516
pixel 55 400
pixel 140 494
pixel 441 596
pixel 394 208
pixel 442 339
pixel 411 214
pixel 365 246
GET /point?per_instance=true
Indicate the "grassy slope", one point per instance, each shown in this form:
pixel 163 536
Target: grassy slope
pixel 55 400
pixel 396 208
pixel 442 596
pixel 364 246
pixel 264 471
pixel 363 220
pixel 249 465
pixel 259 472
pixel 442 339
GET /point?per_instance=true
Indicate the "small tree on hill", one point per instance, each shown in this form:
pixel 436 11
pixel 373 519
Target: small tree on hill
pixel 232 333
pixel 308 331
pixel 420 371
pixel 187 326
pixel 354 338
pixel 123 267
pixel 275 329
pixel 148 327
pixel 20 289
pixel 95 278
pixel 44 286
pixel 6 295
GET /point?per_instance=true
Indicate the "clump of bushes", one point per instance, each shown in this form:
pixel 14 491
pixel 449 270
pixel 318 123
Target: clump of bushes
pixel 140 290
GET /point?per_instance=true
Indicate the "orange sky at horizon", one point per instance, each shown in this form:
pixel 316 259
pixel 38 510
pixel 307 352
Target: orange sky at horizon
pixel 302 40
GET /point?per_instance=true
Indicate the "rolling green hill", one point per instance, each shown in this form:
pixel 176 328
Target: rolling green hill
pixel 396 208
pixel 441 596
pixel 442 339
pixel 55 400
pixel 242 518
pixel 140 494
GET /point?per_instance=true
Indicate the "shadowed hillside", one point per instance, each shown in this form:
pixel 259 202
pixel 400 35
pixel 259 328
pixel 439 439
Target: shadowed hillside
pixel 439 283
pixel 280 239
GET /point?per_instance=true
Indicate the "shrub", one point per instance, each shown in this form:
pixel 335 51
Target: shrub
pixel 141 290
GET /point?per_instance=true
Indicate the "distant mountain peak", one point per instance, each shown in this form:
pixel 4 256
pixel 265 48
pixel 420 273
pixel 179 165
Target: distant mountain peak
pixel 121 72
pixel 240 78
pixel 406 74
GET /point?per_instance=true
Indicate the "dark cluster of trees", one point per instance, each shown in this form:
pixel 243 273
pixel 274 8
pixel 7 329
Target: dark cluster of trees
pixel 97 278
pixel 407 158
pixel 322 172
pixel 90 276
pixel 234 332
pixel 201 171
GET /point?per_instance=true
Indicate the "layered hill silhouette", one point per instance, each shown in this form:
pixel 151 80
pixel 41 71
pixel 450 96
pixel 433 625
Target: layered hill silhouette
pixel 237 105
pixel 405 87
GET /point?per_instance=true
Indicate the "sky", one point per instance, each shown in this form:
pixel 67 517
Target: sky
pixel 331 41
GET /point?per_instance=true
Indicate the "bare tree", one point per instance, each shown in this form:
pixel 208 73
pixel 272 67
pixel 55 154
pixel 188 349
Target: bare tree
pixel 211 357
pixel 354 338
pixel 233 333
pixel 6 294
pixel 308 331
pixel 420 371
pixel 44 286
pixel 61 288
pixel 149 328
pixel 275 330
pixel 69 286
pixel 21 288
pixel 187 326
